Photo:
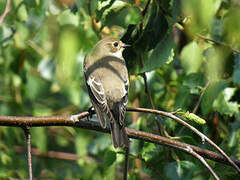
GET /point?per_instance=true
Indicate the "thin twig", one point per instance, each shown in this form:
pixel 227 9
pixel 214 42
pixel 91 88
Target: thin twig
pixel 144 11
pixel 200 97
pixel 29 152
pixel 126 164
pixel 218 43
pixel 6 11
pixel 38 49
pixel 196 155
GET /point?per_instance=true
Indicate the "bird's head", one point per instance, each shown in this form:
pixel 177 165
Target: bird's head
pixel 111 46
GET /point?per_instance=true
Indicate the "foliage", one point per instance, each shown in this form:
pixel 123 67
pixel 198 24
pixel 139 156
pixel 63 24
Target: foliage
pixel 188 50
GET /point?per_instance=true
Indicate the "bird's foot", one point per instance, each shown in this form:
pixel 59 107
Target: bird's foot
pixel 91 112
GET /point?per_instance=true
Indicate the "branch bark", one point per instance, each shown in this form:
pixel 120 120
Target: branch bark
pixel 67 120
pixel 29 151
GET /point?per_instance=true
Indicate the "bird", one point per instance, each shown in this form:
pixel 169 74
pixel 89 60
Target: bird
pixel 107 83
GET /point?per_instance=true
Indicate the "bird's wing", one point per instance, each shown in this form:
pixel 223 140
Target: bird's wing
pixel 97 89
pixel 124 104
pixel 98 99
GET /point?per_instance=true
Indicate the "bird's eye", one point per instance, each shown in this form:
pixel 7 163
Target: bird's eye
pixel 115 44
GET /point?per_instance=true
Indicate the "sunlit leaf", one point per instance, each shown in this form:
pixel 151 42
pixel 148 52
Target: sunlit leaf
pixel 68 18
pixel 223 104
pixel 211 94
pixel 191 58
pixel 147 151
pixel 200 14
pixel 22 13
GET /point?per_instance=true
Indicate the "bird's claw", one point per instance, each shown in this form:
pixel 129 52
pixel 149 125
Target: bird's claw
pixel 91 112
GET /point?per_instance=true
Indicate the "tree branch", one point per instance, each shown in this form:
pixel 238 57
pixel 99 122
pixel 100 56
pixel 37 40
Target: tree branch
pixel 29 151
pixel 67 120
pixel 218 43
pixel 6 11
pixel 126 163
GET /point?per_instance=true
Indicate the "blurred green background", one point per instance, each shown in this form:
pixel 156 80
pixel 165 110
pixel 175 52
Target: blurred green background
pixel 188 50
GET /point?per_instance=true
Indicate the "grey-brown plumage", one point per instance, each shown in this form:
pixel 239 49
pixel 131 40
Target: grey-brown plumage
pixel 107 82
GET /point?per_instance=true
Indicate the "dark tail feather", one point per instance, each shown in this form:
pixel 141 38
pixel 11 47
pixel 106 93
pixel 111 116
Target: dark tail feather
pixel 119 135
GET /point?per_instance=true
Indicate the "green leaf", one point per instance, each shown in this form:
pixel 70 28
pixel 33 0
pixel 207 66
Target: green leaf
pixel 109 158
pixel 5 159
pixel 223 104
pixel 154 31
pixel 191 58
pixel 200 14
pixel 148 151
pixel 144 37
pixel 179 170
pixel 215 62
pixel 22 13
pixel 107 7
pixel 100 143
pixel 122 16
pixel 211 94
pixel 162 54
pixel 194 81
pixel 68 18
pixel 21 36
pixel 232 26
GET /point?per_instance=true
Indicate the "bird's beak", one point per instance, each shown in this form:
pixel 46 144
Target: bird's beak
pixel 126 45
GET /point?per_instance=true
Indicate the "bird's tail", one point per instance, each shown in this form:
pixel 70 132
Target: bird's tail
pixel 119 135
